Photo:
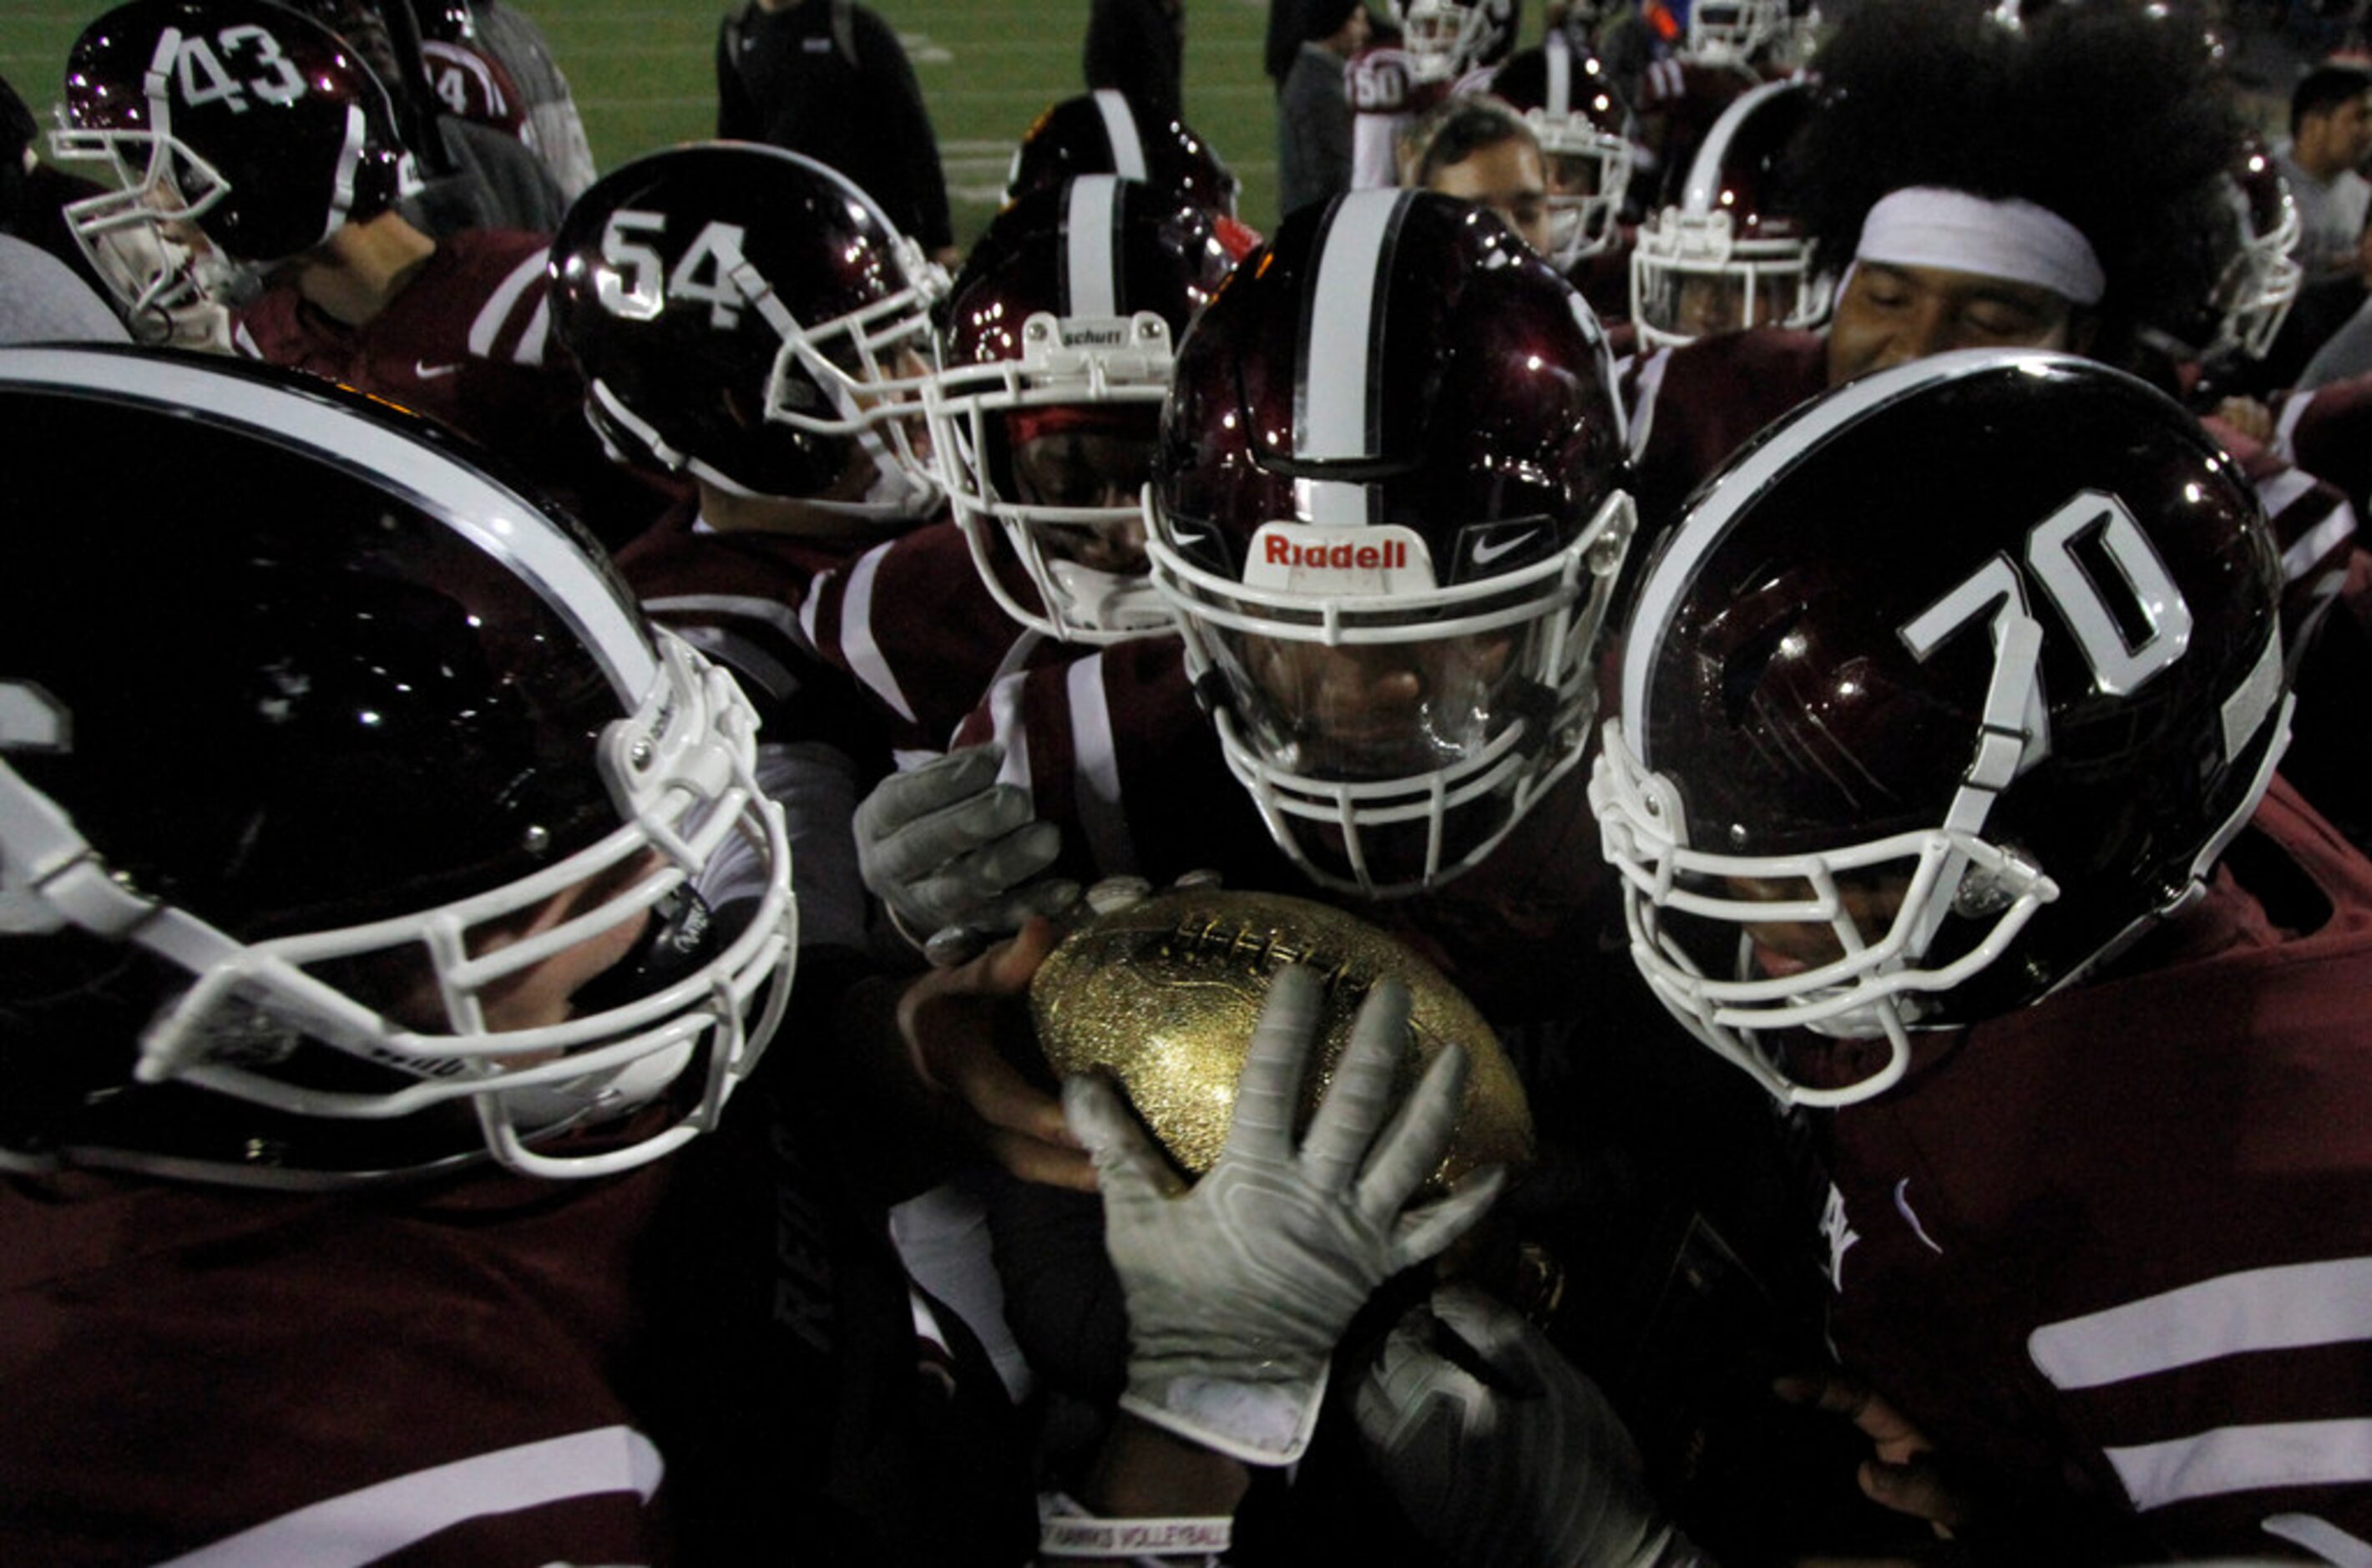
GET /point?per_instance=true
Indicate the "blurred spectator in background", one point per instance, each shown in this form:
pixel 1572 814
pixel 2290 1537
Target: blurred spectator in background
pixel 827 78
pixel 511 37
pixel 2331 132
pixel 1138 47
pixel 1313 111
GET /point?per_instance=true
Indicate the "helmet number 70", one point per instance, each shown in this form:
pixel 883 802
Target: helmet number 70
pixel 2123 657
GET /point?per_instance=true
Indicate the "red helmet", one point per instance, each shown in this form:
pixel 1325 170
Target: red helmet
pixel 1730 250
pixel 1387 507
pixel 739 313
pixel 1097 133
pixel 1569 100
pixel 1057 349
pixel 240 118
pixel 382 706
pixel 1989 639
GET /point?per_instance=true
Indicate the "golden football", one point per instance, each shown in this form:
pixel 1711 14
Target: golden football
pixel 1165 994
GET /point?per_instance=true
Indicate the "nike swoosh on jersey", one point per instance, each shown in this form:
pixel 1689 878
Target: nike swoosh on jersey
pixel 427 372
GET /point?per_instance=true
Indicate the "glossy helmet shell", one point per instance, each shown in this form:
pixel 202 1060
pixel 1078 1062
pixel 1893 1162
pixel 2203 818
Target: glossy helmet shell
pixel 381 705
pixel 1393 433
pixel 1568 98
pixel 2001 622
pixel 736 311
pixel 1732 226
pixel 1097 133
pixel 256 125
pixel 1066 310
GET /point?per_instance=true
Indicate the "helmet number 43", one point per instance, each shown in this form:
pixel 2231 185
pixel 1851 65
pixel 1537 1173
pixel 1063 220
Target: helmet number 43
pixel 204 79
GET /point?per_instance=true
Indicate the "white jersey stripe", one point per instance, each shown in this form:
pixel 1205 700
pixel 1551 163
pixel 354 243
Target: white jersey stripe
pixel 2278 490
pixel 2318 542
pixel 1091 257
pixel 2286 424
pixel 499 305
pixel 858 645
pixel 1120 129
pixel 2322 1538
pixel 2260 1310
pixel 2246 1458
pixel 1095 760
pixel 538 332
pixel 366 1526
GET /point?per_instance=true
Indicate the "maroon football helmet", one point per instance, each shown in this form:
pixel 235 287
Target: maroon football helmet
pixel 1569 100
pixel 1942 692
pixel 1387 507
pixel 748 316
pixel 1729 249
pixel 236 118
pixel 1052 364
pixel 1097 133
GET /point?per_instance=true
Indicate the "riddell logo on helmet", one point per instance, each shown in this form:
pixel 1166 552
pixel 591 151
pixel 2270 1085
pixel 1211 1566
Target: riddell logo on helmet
pixel 1314 558
pixel 1391 555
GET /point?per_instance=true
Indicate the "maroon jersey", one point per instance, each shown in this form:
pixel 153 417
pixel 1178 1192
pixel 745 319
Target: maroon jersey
pixel 467 341
pixel 1114 749
pixel 2121 1242
pixel 473 85
pixel 911 622
pixel 323 1379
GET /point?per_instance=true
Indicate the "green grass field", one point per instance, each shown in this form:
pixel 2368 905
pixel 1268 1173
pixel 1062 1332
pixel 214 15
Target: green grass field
pixel 644 78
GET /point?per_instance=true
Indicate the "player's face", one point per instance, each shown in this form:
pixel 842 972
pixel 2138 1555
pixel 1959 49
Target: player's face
pixel 1710 303
pixel 1891 315
pixel 544 993
pixel 1379 710
pixel 1786 947
pixel 1505 177
pixel 1088 468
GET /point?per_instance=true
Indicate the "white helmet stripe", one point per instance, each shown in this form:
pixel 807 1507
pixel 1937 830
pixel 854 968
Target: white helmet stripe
pixel 1557 53
pixel 1704 173
pixel 494 519
pixel 1092 247
pixel 1336 409
pixel 1120 129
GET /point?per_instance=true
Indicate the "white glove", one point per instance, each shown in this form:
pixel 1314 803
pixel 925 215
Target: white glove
pixel 1238 1288
pixel 952 852
pixel 1521 1464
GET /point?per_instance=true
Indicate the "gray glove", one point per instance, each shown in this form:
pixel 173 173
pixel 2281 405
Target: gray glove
pixel 951 852
pixel 1238 1288
pixel 1522 1465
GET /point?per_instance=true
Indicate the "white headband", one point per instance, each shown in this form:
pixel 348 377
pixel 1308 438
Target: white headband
pixel 1929 227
